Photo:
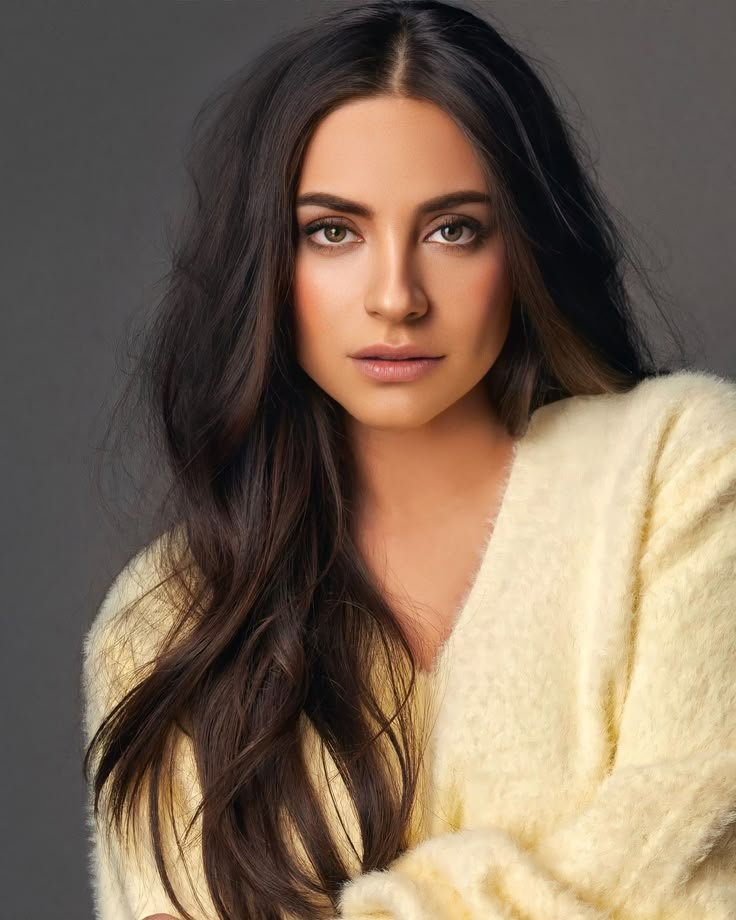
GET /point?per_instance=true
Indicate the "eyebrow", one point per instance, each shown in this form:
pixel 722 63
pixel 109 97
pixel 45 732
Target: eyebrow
pixel 440 203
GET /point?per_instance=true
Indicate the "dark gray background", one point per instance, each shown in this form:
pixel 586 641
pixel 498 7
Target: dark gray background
pixel 96 102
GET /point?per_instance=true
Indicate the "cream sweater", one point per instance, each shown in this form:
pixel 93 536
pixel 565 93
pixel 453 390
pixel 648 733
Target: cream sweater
pixel 582 758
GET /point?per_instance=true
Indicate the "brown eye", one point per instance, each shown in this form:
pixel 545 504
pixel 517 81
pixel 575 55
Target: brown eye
pixel 332 228
pixel 452 230
pixel 330 232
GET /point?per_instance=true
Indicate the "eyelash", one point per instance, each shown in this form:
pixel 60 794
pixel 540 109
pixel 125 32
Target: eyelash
pixel 481 233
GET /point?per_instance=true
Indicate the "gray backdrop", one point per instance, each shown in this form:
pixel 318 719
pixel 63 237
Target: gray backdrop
pixel 96 101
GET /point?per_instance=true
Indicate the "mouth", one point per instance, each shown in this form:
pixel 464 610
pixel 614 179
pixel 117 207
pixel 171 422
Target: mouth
pixel 396 369
pixel 385 352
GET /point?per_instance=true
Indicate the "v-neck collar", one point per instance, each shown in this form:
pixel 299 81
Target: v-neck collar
pixel 497 535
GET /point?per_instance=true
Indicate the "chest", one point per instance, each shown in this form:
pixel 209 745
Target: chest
pixel 427 578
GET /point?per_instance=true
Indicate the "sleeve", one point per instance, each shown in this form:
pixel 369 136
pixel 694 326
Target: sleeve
pixel 120 890
pixel 658 839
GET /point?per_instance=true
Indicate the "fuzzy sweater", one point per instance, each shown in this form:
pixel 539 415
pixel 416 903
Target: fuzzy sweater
pixel 582 755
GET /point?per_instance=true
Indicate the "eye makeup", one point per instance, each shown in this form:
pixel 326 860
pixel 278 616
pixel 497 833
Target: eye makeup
pixel 480 232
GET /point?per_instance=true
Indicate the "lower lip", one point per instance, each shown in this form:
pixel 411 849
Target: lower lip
pixel 396 370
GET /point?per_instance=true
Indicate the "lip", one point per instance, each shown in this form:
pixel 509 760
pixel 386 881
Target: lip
pixel 393 352
pixel 396 371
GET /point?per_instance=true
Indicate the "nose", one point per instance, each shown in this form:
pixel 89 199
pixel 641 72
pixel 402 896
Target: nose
pixel 395 291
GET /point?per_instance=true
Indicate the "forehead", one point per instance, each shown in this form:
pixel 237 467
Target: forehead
pixel 386 146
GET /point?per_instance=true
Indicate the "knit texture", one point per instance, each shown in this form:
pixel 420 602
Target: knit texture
pixel 582 757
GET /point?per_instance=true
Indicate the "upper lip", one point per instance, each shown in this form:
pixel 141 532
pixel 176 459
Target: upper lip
pixel 397 352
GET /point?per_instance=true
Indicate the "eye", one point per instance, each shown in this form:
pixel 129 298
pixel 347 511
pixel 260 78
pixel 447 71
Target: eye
pixel 330 224
pixel 480 233
pixel 326 223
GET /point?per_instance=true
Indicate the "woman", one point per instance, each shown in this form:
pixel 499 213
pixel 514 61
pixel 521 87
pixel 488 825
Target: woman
pixel 428 633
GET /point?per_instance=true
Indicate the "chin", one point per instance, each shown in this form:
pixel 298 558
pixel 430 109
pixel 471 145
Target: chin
pixel 382 416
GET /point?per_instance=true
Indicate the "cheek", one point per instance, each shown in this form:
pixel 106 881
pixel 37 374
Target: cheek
pixel 318 306
pixel 481 280
pixel 310 301
pixel 488 282
pixel 483 293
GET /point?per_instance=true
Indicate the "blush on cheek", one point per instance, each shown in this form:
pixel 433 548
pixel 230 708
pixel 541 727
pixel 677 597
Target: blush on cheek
pixel 313 298
pixel 490 284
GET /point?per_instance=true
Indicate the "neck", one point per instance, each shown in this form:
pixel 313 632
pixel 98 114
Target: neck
pixel 411 477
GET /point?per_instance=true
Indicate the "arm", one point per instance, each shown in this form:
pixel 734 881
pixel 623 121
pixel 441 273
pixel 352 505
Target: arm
pixel 657 840
pixel 121 891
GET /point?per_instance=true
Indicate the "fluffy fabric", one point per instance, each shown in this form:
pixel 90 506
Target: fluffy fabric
pixel 582 759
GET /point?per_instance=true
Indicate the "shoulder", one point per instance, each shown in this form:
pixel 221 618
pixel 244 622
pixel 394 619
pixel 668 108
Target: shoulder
pixel 691 420
pixel 688 397
pixel 662 419
pixel 663 451
pixel 684 397
pixel 135 615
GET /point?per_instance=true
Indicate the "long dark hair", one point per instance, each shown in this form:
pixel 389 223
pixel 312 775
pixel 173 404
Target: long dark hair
pixel 276 626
